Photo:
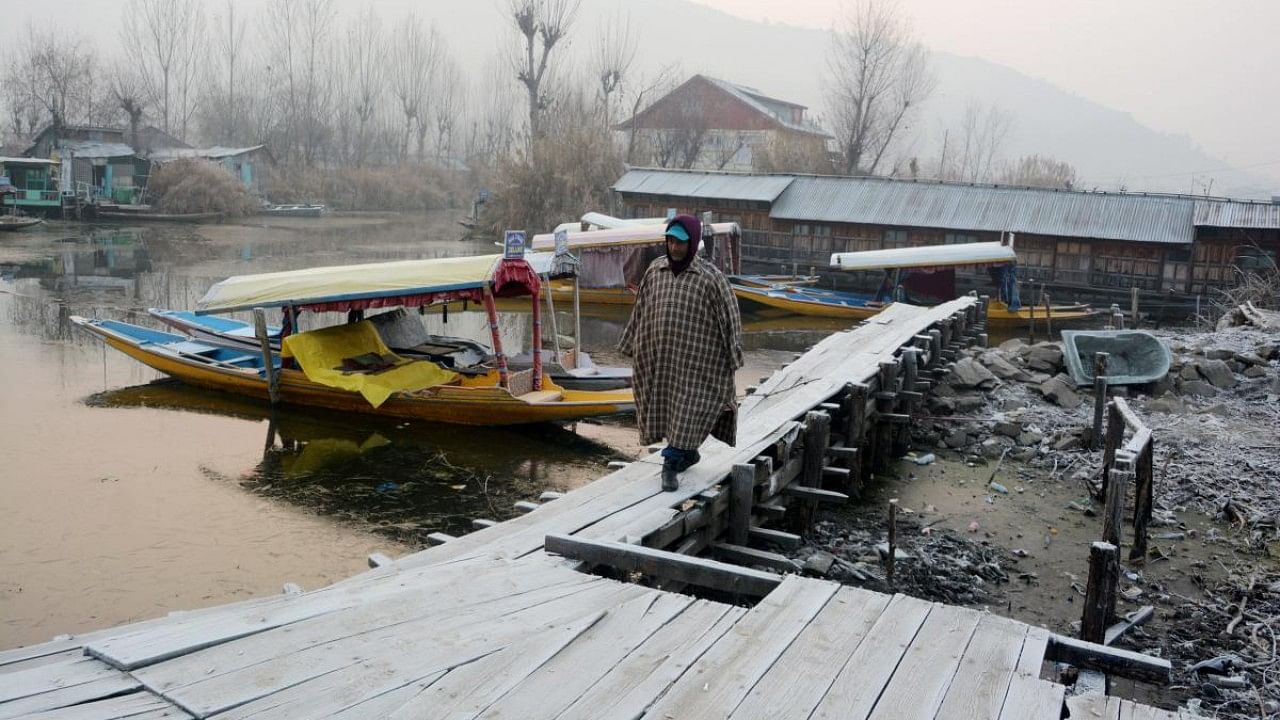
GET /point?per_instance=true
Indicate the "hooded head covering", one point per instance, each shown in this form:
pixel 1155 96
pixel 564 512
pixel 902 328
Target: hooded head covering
pixel 693 228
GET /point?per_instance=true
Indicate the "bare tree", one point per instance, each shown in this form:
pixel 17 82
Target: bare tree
pixel 415 54
pixel 541 25
pixel 1039 171
pixel 877 75
pixel 52 78
pixel 447 107
pixel 127 89
pixel 492 130
pixel 227 114
pixel 297 45
pixel 646 90
pixel 982 133
pixel 615 52
pixel 364 62
pixel 163 40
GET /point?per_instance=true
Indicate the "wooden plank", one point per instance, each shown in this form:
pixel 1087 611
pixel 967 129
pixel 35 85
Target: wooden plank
pixel 468 690
pixel 817 494
pixel 719 680
pixel 1031 698
pixel 1112 661
pixel 1031 660
pixel 377 661
pixel 922 679
pixel 117 683
pixel 1094 707
pixel 743 555
pixel 134 706
pixel 53 676
pixel 41 660
pixel 1130 710
pixel 631 686
pixel 988 666
pixel 855 691
pixel 794 686
pixel 784 540
pixel 666 565
pixel 553 687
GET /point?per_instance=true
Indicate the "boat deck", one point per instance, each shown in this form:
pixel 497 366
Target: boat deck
pixel 492 625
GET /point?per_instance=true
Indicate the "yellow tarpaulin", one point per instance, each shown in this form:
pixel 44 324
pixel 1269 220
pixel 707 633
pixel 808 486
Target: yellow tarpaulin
pixel 353 357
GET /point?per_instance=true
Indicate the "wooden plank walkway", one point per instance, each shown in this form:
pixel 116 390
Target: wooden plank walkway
pixel 490 625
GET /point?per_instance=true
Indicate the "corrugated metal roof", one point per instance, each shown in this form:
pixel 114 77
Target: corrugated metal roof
pixel 214 153
pixel 98 149
pixel 879 201
pixel 26 161
pixel 773 107
pixel 1220 213
pixel 723 186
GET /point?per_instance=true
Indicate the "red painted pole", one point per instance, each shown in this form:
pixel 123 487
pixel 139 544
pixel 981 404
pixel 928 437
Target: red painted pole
pixel 537 338
pixel 491 309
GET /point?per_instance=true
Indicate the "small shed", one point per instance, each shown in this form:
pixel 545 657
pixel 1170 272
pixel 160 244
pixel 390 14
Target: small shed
pixel 239 161
pixel 29 183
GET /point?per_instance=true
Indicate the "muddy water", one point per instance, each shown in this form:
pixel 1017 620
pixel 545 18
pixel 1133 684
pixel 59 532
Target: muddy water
pixel 123 496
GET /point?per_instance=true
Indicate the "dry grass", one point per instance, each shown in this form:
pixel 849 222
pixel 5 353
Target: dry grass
pixel 409 187
pixel 198 186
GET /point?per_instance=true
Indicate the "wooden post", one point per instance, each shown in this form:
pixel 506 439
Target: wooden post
pixel 1133 307
pixel 268 366
pixel 1048 316
pixel 884 404
pixel 817 436
pixel 984 306
pixel 1113 510
pixel 1100 595
pixel 893 541
pixel 1099 397
pixel 555 327
pixel 855 436
pixel 742 483
pixel 577 316
pixel 1115 433
pixel 1031 326
pixel 935 348
pixel 1142 501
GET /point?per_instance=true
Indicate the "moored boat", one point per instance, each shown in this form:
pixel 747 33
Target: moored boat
pixel 158 217
pixel 348 367
pixel 13 223
pixel 808 301
pixel 306 210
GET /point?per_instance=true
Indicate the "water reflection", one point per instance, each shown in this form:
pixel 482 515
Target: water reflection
pixel 404 479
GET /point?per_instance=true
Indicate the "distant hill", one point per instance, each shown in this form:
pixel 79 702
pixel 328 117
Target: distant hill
pixel 1107 146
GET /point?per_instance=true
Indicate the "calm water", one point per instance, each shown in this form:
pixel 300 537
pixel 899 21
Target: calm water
pixel 124 496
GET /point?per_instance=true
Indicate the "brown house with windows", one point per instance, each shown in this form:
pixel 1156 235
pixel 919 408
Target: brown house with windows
pixel 718 125
pixel 1088 245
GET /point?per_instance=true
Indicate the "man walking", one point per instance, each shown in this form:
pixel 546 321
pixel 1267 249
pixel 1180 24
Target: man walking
pixel 684 337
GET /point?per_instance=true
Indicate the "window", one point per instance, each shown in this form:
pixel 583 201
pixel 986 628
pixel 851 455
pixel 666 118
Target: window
pixel 959 239
pixel 895 238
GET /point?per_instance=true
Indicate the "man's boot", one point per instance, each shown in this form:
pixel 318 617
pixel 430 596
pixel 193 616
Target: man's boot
pixel 670 477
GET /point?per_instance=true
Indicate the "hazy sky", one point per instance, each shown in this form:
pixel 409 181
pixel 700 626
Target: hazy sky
pixel 1209 69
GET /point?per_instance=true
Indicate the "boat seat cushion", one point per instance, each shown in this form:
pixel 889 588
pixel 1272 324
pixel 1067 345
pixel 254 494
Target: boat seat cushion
pixel 541 396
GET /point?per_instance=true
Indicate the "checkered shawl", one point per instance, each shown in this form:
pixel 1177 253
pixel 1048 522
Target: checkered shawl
pixel 685 338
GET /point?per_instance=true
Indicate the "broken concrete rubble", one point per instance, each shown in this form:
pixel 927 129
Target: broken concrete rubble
pixel 968 373
pixel 1217 373
pixel 1059 389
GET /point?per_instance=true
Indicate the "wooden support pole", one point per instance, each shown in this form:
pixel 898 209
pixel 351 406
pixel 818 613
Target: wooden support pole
pixel 1031 325
pixel 1133 307
pixel 269 370
pixel 855 436
pixel 1113 661
pixel 935 348
pixel 1048 315
pixel 908 402
pixel 1142 501
pixel 885 405
pixel 1111 443
pixel 893 541
pixel 817 436
pixel 1099 397
pixel 742 482
pixel 1100 595
pixel 984 307
pixel 1113 510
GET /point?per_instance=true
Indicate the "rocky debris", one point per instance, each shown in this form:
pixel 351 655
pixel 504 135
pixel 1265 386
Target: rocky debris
pixel 968 373
pixel 1254 372
pixel 1250 358
pixel 1008 428
pixel 956 438
pixel 1198 388
pixel 1045 357
pixel 1218 373
pixel 819 563
pixel 1069 441
pixel 1012 345
pixel 1219 354
pixel 1061 390
pixel 1002 368
pixel 995 447
pixel 969 403
pixel 1030 437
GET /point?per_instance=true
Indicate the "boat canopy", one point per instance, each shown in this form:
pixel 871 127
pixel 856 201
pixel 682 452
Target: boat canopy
pixel 402 283
pixel 621 236
pixel 933 256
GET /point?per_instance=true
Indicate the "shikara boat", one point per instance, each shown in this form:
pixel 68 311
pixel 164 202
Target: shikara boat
pixel 933 268
pixel 1134 357
pixel 13 223
pixel 158 217
pixel 307 211
pixel 348 368
pixel 456 352
pixel 808 301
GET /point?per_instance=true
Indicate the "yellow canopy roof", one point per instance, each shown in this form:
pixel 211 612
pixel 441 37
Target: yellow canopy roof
pixel 348 282
pixel 615 237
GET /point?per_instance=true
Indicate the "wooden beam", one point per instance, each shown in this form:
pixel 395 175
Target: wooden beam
pixel 1099 397
pixel 482 523
pixel 813 493
pixel 268 366
pixel 377 560
pixel 439 538
pixel 1142 501
pixel 742 555
pixel 784 540
pixel 525 506
pixel 742 483
pixel 1112 661
pixel 1100 595
pixel 665 565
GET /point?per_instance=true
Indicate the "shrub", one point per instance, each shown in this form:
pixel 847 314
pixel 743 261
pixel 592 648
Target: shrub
pixel 198 186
